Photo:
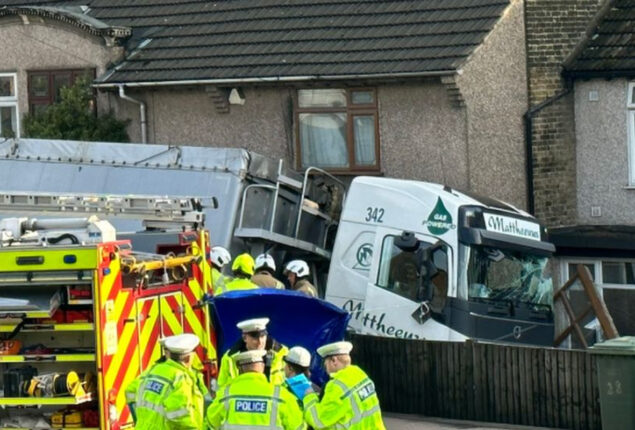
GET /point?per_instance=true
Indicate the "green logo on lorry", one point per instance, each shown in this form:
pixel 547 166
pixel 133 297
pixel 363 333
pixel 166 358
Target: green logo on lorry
pixel 440 220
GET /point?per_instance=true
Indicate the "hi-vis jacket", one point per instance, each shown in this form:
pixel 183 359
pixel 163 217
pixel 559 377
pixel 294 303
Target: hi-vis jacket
pixel 234 285
pixel 274 363
pixel 219 281
pixel 349 402
pixel 250 402
pixel 169 397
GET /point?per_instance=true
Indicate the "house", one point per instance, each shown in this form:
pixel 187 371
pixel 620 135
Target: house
pixel 432 90
pixel 600 73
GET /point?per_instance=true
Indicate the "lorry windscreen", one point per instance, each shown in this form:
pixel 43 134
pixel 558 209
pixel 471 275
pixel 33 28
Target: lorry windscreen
pixel 510 276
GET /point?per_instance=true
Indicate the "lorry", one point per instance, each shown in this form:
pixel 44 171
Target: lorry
pixel 406 258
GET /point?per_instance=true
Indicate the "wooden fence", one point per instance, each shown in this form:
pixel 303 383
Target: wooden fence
pixel 483 382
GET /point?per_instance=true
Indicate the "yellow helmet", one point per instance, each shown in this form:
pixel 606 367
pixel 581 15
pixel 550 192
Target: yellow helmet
pixel 244 263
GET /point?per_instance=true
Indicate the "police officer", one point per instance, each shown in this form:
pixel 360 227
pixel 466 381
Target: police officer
pixel 349 399
pixel 251 402
pixel 170 395
pixel 254 336
pixel 243 270
pixel 265 267
pixel 297 272
pixel 297 362
pixel 219 257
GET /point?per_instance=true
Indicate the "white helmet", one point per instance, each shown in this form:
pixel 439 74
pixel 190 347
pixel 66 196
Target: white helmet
pixel 265 261
pixel 299 267
pixel 220 256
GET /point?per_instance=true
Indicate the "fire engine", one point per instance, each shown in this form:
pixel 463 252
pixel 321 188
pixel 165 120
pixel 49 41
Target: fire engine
pixel 82 312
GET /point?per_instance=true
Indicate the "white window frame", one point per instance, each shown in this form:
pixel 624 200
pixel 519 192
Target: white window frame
pixel 599 275
pixel 12 101
pixel 630 122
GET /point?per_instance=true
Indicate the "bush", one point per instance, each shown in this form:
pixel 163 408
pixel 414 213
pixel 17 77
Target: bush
pixel 72 118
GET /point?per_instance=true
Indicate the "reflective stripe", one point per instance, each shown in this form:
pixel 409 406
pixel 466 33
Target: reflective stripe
pixel 349 391
pixel 152 406
pixel 274 407
pixel 220 282
pixel 315 417
pixel 311 403
pixel 252 397
pixel 130 397
pixel 176 414
pixel 225 399
pixel 363 415
pixel 342 385
pixel 249 426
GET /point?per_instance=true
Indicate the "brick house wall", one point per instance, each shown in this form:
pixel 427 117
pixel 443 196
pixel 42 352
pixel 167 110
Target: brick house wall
pixel 553 28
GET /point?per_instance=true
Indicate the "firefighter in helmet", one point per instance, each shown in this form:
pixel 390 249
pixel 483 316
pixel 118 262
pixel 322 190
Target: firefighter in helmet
pixel 243 270
pixel 297 272
pixel 219 257
pixel 265 268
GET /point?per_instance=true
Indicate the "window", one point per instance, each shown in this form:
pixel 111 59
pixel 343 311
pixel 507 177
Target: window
pixel 608 273
pixel 337 129
pixel 630 108
pixel 9 119
pixel 398 271
pixel 45 85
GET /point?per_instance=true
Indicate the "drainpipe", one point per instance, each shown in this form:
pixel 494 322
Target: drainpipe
pixel 529 152
pixel 142 113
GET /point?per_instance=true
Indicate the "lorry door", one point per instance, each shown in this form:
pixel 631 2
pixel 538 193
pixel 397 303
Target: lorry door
pixel 394 304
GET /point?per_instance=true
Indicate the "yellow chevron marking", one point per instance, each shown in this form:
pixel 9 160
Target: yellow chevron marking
pixel 125 339
pixel 172 319
pixel 148 325
pixel 109 280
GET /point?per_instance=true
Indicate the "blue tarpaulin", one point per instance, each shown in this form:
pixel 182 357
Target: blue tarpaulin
pixel 295 319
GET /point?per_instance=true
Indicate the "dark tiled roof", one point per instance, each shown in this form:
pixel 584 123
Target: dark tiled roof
pixel 250 39
pixel 609 46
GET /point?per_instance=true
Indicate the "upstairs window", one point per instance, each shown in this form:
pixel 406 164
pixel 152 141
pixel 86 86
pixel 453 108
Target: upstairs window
pixel 630 107
pixel 337 129
pixel 9 118
pixel 45 85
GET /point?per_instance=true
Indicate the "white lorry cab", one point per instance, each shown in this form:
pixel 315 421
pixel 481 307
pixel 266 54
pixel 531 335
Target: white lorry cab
pixel 423 261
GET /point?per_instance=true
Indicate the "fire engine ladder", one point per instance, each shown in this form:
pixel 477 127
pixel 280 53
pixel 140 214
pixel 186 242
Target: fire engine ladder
pixel 296 214
pixel 156 212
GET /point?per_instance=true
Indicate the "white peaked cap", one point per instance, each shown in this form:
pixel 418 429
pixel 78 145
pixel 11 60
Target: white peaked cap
pixel 335 348
pixel 181 343
pixel 256 324
pixel 248 357
pixel 298 355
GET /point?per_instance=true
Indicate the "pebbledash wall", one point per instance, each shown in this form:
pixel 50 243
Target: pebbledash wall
pixel 34 43
pixel 466 132
pixel 605 193
pixel 553 29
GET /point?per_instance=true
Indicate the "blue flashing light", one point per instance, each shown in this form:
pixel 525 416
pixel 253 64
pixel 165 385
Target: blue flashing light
pixel 70 259
pixel 106 271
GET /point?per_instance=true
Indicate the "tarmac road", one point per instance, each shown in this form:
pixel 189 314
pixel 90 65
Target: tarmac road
pixel 413 422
